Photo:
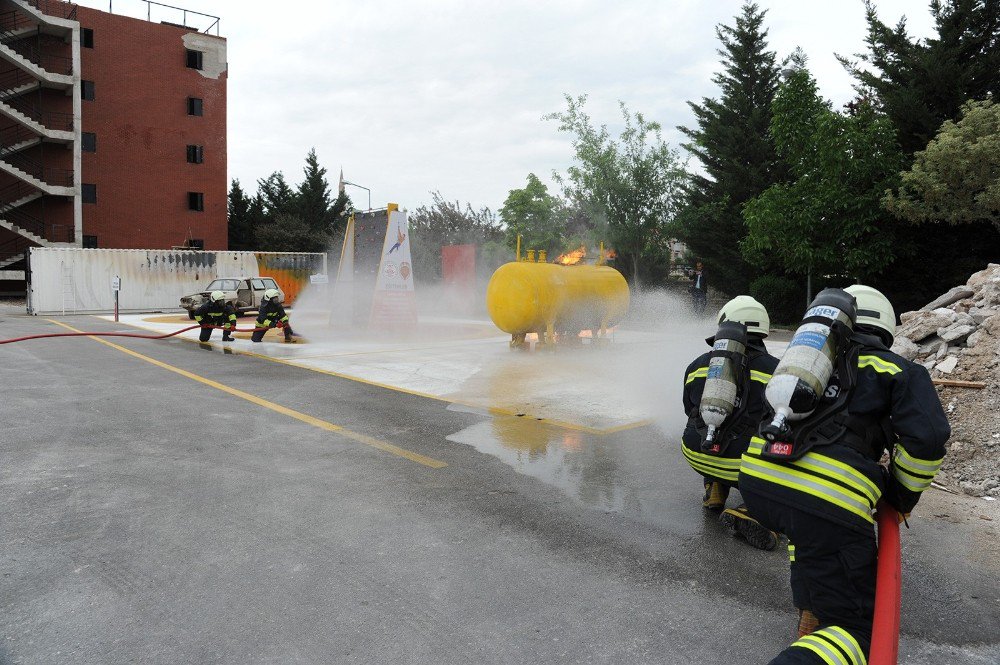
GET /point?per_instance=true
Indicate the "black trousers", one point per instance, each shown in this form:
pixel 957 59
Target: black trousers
pixel 206 333
pixel 832 575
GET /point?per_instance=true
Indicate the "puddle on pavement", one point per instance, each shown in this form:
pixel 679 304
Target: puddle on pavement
pixel 575 462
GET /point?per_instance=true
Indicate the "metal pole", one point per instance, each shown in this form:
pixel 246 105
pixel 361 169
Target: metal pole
pixel 809 287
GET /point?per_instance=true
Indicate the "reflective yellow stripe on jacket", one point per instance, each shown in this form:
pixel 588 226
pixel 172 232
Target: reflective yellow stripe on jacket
pixel 913 473
pixel 701 372
pixel 878 364
pixel 726 468
pixel 817 475
pixel 834 645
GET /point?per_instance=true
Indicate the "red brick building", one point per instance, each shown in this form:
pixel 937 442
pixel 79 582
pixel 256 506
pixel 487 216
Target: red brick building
pixel 112 131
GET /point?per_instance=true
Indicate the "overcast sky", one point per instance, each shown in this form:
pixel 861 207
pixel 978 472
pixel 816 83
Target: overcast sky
pixel 410 97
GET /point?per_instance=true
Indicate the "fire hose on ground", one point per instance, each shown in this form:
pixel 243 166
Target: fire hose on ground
pixel 888 584
pixel 125 334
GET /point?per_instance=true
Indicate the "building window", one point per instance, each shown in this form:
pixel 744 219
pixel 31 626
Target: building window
pixel 89 142
pixel 87 37
pixel 194 59
pixel 196 243
pixel 90 242
pixel 196 154
pixel 89 193
pixel 196 201
pixel 87 90
pixel 194 106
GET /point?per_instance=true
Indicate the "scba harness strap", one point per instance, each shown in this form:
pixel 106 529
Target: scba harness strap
pixel 735 427
pixel 833 423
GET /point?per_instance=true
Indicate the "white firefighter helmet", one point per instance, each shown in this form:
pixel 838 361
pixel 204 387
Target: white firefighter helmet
pixel 874 309
pixel 271 293
pixel 217 296
pixel 749 312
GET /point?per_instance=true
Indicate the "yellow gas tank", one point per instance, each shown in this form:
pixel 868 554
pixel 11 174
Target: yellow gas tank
pixel 525 297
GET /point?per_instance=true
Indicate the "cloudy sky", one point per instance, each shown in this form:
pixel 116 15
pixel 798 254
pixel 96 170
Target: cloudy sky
pixel 446 95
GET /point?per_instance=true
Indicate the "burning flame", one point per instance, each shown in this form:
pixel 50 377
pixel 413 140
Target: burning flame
pixel 573 257
pixel 610 254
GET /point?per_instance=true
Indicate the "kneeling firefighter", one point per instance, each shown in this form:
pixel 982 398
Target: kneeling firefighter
pixel 724 400
pixel 216 312
pixel 840 399
pixel 271 314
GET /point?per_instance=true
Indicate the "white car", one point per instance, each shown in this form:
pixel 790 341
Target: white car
pixel 243 293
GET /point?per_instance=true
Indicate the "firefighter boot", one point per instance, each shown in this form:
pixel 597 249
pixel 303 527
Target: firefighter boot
pixel 227 335
pixel 715 495
pixel 807 623
pixel 738 520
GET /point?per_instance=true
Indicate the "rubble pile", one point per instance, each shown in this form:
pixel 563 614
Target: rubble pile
pixel 957 337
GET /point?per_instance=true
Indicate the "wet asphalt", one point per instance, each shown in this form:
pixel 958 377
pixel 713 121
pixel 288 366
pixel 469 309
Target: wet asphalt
pixel 151 518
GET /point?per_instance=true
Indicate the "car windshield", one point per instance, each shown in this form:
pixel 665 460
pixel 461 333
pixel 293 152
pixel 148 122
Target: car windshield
pixel 223 285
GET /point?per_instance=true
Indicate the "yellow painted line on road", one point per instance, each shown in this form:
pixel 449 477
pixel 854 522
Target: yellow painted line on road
pixel 492 410
pixel 291 413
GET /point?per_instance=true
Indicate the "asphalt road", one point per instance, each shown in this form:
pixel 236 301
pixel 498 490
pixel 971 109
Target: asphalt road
pixel 189 505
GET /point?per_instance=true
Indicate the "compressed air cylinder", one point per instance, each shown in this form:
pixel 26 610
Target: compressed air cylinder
pixel 525 297
pixel 801 377
pixel 722 384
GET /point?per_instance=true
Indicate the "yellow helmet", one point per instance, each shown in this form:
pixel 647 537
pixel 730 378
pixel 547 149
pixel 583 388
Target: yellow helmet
pixel 874 309
pixel 749 312
pixel 217 296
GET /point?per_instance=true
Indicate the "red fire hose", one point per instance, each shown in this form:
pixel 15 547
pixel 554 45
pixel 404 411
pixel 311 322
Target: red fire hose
pixel 120 334
pixel 885 626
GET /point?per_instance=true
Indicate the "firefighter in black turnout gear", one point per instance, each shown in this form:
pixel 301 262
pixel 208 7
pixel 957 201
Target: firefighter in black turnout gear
pixel 216 312
pixel 271 314
pixel 734 408
pixel 817 481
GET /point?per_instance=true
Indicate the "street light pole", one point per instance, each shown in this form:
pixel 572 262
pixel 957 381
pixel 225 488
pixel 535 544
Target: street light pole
pixel 353 184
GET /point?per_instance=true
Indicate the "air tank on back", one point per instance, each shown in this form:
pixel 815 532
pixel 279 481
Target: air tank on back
pixel 545 298
pixel 722 383
pixel 801 377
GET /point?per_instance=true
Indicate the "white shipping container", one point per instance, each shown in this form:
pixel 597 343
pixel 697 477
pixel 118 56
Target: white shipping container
pixel 75 280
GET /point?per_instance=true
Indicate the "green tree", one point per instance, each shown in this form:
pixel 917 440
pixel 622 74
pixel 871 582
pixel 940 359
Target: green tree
pixel 955 179
pixel 312 198
pixel 827 220
pixel 448 223
pixel 732 143
pixel 535 215
pixel 920 84
pixel 240 219
pixel 275 196
pixel 632 181
pixel 286 232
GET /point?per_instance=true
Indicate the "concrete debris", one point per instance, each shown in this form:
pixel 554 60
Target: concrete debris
pixel 924 324
pixel 948 365
pixel 953 296
pixel 958 335
pixel 956 332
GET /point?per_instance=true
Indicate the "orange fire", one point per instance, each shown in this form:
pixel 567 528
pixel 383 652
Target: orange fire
pixel 610 254
pixel 573 257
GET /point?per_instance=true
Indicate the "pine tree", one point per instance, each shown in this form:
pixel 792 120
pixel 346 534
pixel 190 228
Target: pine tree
pixel 241 237
pixel 733 145
pixel 919 85
pixel 313 196
pixel 275 197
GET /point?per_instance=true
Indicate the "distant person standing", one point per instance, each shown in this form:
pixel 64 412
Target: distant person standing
pixel 699 289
